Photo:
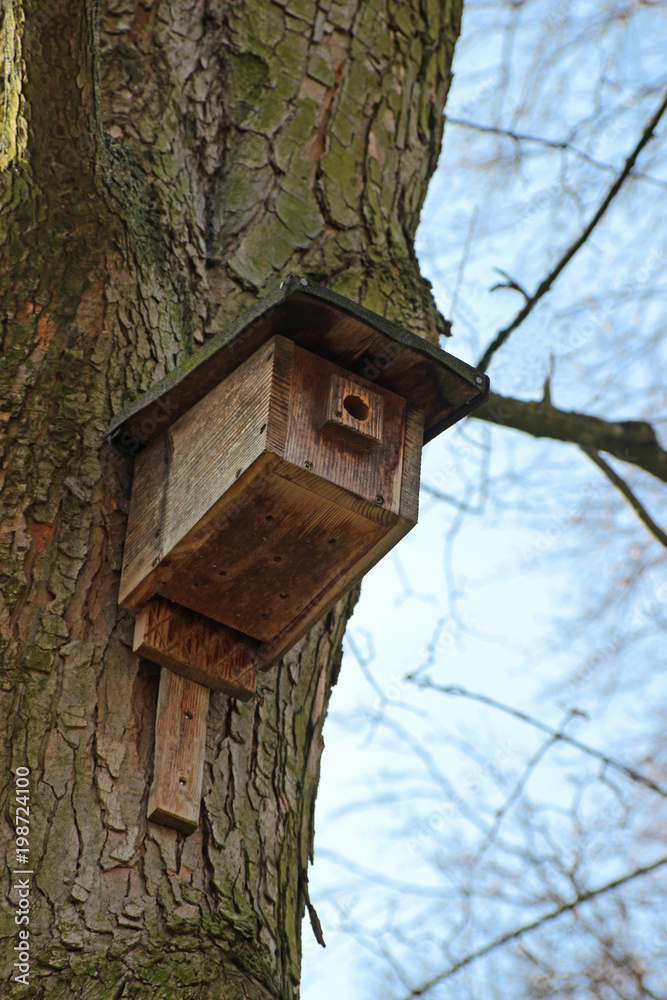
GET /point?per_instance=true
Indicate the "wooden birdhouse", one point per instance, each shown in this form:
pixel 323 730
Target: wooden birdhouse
pixel 272 471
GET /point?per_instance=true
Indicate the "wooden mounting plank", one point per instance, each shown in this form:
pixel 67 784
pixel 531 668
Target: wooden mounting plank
pixel 180 738
pixel 197 648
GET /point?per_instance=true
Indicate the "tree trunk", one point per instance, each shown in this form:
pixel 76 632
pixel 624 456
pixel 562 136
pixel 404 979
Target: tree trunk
pixel 165 163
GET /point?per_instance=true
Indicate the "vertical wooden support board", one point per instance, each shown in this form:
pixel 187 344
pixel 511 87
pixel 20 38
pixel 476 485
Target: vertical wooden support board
pixel 180 737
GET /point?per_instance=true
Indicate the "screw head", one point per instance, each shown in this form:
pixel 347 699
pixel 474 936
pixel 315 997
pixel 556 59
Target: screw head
pixel 308 465
pixel 379 499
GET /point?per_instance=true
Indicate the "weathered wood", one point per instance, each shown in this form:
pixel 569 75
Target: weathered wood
pixel 375 475
pixel 331 326
pixel 252 510
pixel 266 521
pixel 180 738
pixel 197 648
pixel 353 414
pixel 262 566
pixel 180 478
pixel 325 600
pixel 143 537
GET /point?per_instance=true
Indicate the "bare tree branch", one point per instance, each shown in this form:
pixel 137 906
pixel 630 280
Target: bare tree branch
pixel 565 259
pixel 632 441
pixel 580 898
pixel 461 692
pixel 625 490
pixel 550 144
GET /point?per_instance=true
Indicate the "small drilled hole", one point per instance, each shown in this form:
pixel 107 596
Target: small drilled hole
pixel 283 597
pixel 223 572
pixel 264 616
pixel 277 558
pixel 237 473
pixel 356 407
pixel 332 541
pixel 182 781
pixel 338 414
pixel 269 517
pixel 262 428
pixel 188 715
pixel 196 585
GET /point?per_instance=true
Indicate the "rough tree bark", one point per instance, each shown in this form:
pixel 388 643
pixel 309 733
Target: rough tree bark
pixel 164 164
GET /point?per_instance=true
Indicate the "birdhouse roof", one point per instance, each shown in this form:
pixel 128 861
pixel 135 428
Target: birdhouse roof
pixel 331 326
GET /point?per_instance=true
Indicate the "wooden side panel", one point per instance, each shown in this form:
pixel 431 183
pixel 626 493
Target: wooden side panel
pixel 144 525
pixel 180 738
pixel 181 477
pixel 197 648
pixel 412 460
pixel 219 438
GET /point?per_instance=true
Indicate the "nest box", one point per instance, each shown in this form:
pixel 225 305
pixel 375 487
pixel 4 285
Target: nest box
pixel 272 471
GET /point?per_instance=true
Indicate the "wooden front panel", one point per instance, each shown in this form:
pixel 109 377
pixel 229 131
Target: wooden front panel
pixel 374 475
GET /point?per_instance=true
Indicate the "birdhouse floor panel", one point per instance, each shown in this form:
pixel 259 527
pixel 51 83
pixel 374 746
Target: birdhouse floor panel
pixel 263 565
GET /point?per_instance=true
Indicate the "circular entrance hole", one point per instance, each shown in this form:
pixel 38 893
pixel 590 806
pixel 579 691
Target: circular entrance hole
pixel 356 407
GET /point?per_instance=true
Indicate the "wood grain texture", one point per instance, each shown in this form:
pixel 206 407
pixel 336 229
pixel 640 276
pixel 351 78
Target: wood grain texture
pixel 266 520
pixel 369 475
pixel 353 414
pixel 180 738
pixel 143 537
pixel 179 480
pixel 333 327
pixel 263 566
pixel 350 574
pixel 216 441
pixel 196 647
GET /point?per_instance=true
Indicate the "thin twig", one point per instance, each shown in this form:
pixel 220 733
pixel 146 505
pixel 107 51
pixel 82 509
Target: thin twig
pixel 550 144
pixel 518 789
pixel 625 491
pixel 461 692
pixel 546 284
pixel 580 898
